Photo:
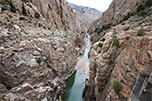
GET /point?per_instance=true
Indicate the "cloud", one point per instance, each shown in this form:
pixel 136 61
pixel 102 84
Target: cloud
pixel 101 5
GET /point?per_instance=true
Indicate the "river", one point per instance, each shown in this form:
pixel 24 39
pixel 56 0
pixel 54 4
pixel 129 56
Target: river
pixel 76 83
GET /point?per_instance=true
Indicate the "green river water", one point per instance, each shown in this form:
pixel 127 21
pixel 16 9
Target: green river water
pixel 76 83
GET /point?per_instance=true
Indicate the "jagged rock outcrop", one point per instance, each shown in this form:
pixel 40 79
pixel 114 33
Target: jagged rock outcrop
pixel 37 69
pixel 123 63
pixel 36 58
pixel 116 12
pixel 55 12
pixel 86 14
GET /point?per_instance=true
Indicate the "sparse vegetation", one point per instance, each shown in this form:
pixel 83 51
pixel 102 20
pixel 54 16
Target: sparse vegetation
pixel 127 37
pixel 37 15
pixel 40 25
pixel 116 42
pixel 103 39
pixel 10 16
pixel 117 86
pixel 12 9
pixel 38 60
pixel 22 18
pixel 38 33
pixel 8 33
pixel 99 51
pixel 126 28
pixel 105 27
pixel 3 9
pixel 140 7
pixel 141 32
pixel 44 27
pixel 148 3
pixel 123 23
pixel 100 44
pixel 142 13
pixel 24 10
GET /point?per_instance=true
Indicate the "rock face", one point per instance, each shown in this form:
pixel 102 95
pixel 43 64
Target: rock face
pixel 38 68
pixel 36 58
pixel 123 63
pixel 55 12
pixel 116 12
pixel 86 14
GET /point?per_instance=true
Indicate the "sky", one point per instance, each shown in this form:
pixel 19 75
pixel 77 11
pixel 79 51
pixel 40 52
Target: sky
pixel 101 5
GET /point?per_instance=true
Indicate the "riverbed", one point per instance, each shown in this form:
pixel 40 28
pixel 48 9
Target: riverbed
pixel 76 83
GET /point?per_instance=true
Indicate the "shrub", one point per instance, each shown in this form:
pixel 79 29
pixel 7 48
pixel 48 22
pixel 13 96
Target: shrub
pixel 38 60
pixel 141 32
pixel 22 18
pixel 116 42
pixel 99 51
pixel 48 28
pixel 40 25
pixel 117 86
pixel 148 3
pixel 98 31
pixel 8 33
pixel 24 10
pixel 3 8
pixel 44 27
pixel 100 44
pixel 37 15
pixel 127 37
pixel 103 39
pixel 126 28
pixel 10 16
pixel 141 7
pixel 142 13
pixel 123 23
pixel 12 9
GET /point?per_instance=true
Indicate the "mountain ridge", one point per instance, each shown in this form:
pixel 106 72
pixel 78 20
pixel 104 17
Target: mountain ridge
pixel 86 14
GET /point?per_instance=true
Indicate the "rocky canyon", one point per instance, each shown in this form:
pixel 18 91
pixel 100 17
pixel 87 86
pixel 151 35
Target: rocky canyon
pixel 42 40
pixel 120 53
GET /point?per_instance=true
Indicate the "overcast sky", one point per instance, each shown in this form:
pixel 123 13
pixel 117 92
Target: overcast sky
pixel 101 5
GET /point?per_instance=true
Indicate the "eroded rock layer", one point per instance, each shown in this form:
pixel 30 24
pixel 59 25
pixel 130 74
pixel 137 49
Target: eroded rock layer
pixel 122 60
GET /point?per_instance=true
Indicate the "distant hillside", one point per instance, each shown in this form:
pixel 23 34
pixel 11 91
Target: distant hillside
pixel 88 15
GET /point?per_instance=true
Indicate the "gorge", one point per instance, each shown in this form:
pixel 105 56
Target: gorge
pixel 46 54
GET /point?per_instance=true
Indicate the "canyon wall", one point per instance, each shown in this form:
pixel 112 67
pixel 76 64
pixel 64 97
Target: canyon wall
pixel 37 54
pixel 55 12
pixel 116 12
pixel 120 54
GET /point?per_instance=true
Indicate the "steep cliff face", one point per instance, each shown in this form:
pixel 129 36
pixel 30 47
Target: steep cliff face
pixel 36 58
pixel 116 12
pixel 122 60
pixel 55 12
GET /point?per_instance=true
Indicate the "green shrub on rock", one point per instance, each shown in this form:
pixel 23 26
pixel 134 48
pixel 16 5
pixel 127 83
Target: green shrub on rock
pixel 103 39
pixel 126 28
pixel 127 37
pixel 12 9
pixel 100 44
pixel 141 32
pixel 37 15
pixel 116 42
pixel 117 86
pixel 38 60
pixel 24 10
